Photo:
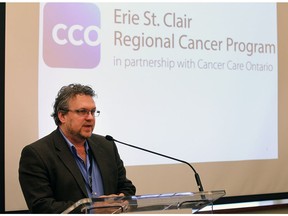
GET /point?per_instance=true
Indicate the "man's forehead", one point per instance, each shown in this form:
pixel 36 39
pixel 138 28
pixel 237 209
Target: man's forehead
pixel 81 98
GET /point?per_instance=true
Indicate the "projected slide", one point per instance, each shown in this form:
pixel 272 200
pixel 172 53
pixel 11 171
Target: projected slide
pixel 196 81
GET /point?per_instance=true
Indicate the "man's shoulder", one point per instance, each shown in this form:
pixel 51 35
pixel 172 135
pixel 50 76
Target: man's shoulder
pixel 100 140
pixel 97 138
pixel 46 140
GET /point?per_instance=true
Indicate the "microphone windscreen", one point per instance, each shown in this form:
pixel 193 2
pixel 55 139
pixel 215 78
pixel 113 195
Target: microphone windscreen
pixel 110 138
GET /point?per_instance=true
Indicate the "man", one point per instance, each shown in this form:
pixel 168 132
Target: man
pixel 71 163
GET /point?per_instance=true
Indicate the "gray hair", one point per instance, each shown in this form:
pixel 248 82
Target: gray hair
pixel 65 94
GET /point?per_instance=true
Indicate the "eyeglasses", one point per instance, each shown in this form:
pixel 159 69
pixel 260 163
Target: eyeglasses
pixel 85 112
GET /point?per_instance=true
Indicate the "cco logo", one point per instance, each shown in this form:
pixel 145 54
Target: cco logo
pixel 71 35
pixel 71 32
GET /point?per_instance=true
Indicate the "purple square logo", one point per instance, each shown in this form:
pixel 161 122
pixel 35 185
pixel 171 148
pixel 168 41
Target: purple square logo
pixel 71 35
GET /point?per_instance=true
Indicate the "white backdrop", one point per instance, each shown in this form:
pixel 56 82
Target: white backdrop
pixel 157 87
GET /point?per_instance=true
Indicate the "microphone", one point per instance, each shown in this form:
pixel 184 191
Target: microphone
pixel 197 177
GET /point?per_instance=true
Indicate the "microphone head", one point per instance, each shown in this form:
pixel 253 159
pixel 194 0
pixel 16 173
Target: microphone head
pixel 110 138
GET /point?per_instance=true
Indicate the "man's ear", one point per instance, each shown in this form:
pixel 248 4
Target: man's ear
pixel 62 117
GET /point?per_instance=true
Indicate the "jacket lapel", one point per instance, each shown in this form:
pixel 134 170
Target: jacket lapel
pixel 98 153
pixel 65 155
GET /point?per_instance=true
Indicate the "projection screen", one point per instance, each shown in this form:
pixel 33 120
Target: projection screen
pixel 202 82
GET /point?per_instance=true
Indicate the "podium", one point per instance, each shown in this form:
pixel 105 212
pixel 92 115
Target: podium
pixel 144 203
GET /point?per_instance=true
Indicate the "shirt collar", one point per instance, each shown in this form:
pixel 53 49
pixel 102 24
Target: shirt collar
pixel 70 144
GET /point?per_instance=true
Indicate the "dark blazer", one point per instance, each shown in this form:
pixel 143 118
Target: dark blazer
pixel 51 180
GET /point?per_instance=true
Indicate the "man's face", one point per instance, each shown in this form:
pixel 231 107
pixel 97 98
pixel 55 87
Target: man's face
pixel 76 126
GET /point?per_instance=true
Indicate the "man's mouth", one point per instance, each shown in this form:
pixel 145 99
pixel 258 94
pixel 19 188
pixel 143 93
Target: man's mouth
pixel 88 126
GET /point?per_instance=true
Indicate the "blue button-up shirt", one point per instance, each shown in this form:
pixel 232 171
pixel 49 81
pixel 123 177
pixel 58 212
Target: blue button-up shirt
pixel 90 171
